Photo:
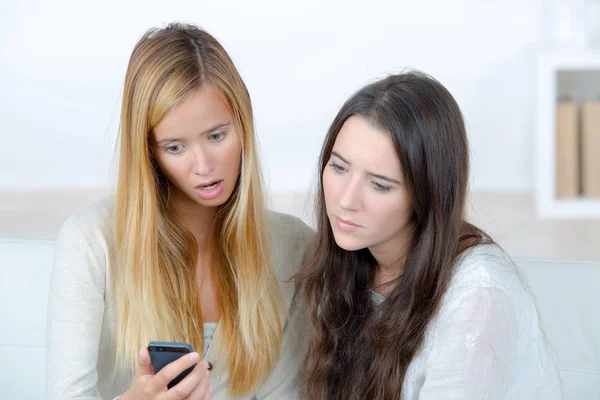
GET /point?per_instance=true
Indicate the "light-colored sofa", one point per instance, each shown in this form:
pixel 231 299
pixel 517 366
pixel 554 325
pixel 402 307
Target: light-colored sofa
pixel 568 296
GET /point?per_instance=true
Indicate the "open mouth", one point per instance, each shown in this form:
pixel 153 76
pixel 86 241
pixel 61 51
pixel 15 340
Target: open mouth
pixel 209 187
pixel 211 190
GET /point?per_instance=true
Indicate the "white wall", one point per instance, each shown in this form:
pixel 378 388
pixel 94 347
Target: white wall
pixel 62 65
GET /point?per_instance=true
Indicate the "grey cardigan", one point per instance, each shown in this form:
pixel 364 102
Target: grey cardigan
pixel 82 314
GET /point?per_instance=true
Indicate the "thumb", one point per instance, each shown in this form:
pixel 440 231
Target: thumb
pixel 144 366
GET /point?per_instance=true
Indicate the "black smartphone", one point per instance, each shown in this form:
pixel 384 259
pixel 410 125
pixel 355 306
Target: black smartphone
pixel 163 353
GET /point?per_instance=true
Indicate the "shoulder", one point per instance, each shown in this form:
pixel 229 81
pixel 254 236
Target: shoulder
pixel 485 265
pixel 98 214
pixel 287 229
pixel 92 224
pixel 485 276
pixel 291 240
pixel 83 252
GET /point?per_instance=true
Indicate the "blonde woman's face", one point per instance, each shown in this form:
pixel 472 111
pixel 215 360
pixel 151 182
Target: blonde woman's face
pixel 368 202
pixel 197 146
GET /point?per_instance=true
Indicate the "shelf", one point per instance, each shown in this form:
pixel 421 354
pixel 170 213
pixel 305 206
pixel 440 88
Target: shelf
pixel 574 74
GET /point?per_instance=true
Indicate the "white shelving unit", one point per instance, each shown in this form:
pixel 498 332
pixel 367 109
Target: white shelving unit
pixel 561 74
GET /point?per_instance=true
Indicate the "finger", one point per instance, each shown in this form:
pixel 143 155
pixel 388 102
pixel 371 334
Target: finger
pixel 144 365
pixel 203 390
pixel 171 371
pixel 187 386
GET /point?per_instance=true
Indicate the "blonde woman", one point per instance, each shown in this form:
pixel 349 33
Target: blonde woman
pixel 185 251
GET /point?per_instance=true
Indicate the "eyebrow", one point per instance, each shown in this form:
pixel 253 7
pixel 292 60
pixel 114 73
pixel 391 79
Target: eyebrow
pixel 214 128
pixel 378 176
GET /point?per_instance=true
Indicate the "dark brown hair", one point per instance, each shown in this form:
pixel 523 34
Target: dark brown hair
pixel 358 351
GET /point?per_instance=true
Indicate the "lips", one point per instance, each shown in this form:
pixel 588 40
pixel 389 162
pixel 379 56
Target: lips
pixel 346 225
pixel 210 190
pixel 347 222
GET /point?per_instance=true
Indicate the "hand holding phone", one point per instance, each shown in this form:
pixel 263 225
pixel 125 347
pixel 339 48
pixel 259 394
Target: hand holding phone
pixel 164 353
pixel 160 384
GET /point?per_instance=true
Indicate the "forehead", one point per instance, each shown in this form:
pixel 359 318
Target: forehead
pixel 202 109
pixel 367 147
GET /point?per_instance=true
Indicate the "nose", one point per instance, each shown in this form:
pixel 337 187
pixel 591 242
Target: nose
pixel 202 163
pixel 350 195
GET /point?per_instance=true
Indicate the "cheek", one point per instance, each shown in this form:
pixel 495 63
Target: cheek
pixel 171 168
pixel 391 214
pixel 230 156
pixel 163 165
pixel 406 210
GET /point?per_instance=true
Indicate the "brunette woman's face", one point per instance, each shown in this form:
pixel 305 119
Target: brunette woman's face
pixel 197 146
pixel 368 202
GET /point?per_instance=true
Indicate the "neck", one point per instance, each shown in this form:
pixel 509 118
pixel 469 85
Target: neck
pixel 386 276
pixel 194 217
pixel 391 259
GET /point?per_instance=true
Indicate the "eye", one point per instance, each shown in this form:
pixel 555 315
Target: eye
pixel 337 168
pixel 174 148
pixel 380 187
pixel 215 137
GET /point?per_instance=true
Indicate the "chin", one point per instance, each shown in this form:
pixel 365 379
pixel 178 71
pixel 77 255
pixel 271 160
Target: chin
pixel 211 203
pixel 219 201
pixel 348 244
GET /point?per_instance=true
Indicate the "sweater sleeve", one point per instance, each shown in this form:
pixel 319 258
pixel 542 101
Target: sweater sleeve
pixel 474 353
pixel 75 312
pixel 283 383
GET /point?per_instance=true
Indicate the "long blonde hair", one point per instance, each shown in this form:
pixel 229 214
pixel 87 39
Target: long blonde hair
pixel 155 280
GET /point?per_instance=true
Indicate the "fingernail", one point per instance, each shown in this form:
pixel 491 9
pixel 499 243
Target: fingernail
pixel 194 357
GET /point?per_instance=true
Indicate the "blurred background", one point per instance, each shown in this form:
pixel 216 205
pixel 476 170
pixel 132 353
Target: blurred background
pixel 62 66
